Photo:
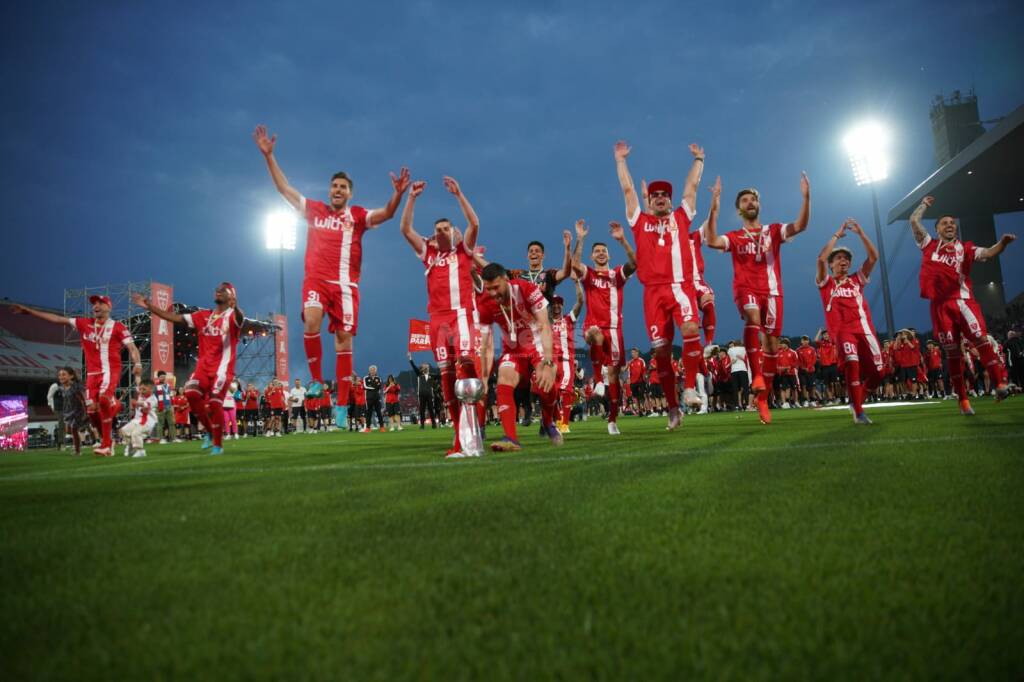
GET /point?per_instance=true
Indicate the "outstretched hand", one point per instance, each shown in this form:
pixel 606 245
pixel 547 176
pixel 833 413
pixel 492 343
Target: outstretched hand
pixel 853 226
pixel 18 309
pixel 417 188
pixel 716 191
pixel 581 229
pixel 452 185
pixel 401 181
pixel 928 201
pixel 140 300
pixel 1008 237
pixel 566 239
pixel 263 141
pixel 622 150
pixel 697 151
pixel 616 231
pixel 805 185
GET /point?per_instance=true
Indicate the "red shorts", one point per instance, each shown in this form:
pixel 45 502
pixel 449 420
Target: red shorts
pixel 453 334
pixel 770 308
pixel 665 304
pixel 859 347
pixel 703 290
pixel 100 384
pixel 521 360
pixel 613 346
pixel 212 387
pixel 956 318
pixel 339 302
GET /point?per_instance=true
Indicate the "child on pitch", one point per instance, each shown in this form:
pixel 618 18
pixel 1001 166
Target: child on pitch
pixel 73 401
pixel 181 416
pixel 142 424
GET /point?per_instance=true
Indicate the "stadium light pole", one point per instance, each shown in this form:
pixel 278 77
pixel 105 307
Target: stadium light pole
pixel 279 229
pixel 868 148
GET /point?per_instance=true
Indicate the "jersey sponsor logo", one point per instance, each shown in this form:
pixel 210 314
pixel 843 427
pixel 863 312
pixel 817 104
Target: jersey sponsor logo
pixel 601 283
pixel 441 261
pixel 750 248
pixel 947 259
pixel 334 223
pixel 846 292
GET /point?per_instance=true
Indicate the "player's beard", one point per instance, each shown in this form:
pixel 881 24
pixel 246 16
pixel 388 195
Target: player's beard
pixel 751 213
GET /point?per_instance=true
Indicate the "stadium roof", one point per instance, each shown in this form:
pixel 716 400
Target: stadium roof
pixel 986 178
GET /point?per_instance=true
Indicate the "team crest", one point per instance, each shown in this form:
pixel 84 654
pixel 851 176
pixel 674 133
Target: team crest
pixel 163 351
pixel 162 299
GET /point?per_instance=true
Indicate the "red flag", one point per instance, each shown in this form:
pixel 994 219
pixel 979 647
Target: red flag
pixel 419 335
pixel 161 340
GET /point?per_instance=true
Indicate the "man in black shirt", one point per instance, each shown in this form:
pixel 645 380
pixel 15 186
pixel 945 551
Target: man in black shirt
pixel 426 381
pixel 546 280
pixel 373 385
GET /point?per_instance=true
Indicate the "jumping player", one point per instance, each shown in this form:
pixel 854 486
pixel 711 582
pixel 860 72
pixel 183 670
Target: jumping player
pixel 757 280
pixel 603 287
pixel 664 256
pixel 848 317
pixel 334 253
pixel 218 332
pixel 563 338
pixel 102 340
pixel 520 310
pixel 450 295
pixel 946 264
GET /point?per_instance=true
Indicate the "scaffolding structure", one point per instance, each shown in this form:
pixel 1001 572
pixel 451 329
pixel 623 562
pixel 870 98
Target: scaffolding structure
pixel 256 348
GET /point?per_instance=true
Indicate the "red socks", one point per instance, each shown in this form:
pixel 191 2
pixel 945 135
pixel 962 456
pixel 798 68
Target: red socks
pixel 448 392
pixel 956 371
pixel 107 412
pixel 853 385
pixel 216 418
pixel 708 319
pixel 198 407
pixel 507 409
pixel 614 389
pixel 314 355
pixel 996 371
pixel 692 351
pixel 598 359
pixel 752 342
pixel 771 361
pixel 667 379
pixel 343 373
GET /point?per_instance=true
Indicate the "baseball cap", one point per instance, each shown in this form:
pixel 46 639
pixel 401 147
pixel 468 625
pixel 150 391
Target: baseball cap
pixel 660 186
pixel 557 299
pixel 96 298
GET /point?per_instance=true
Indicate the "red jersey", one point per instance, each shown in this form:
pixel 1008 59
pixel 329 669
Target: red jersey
pixel 102 343
pixel 933 360
pixel 756 259
pixel 946 269
pixel 787 361
pixel 275 396
pixel 252 399
pixel 827 353
pixel 218 334
pixel 334 241
pixel 652 371
pixel 391 394
pixel 181 410
pixel 360 393
pixel 664 252
pixel 604 297
pixel 722 368
pixel 905 354
pixel 449 278
pixel 845 306
pixel 563 337
pixel 637 367
pixel 325 399
pixel 517 318
pixel 886 361
pixel 807 356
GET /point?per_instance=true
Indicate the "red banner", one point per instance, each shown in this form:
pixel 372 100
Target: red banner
pixel 419 335
pixel 281 348
pixel 161 340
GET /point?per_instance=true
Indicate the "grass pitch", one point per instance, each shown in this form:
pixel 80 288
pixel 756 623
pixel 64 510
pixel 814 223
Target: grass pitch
pixel 810 549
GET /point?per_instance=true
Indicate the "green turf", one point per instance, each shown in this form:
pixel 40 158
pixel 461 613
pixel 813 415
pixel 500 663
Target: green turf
pixel 813 549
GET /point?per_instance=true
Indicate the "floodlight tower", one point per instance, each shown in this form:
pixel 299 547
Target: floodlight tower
pixel 868 148
pixel 279 229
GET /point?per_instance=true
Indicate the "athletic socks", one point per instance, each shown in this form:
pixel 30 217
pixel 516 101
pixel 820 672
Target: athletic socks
pixel 216 418
pixel 707 322
pixel 614 389
pixel 448 392
pixel 667 379
pixel 598 360
pixel 343 373
pixel 771 361
pixel 996 371
pixel 853 386
pixel 956 371
pixel 507 409
pixel 752 342
pixel 106 415
pixel 314 355
pixel 692 352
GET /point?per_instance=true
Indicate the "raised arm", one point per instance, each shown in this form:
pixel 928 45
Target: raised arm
pixel 400 183
pixel 800 224
pixel 869 247
pixel 19 309
pixel 577 252
pixel 822 263
pixel 693 177
pixel 920 234
pixel 472 221
pixel 405 224
pixel 619 235
pixel 266 145
pixel 711 236
pixel 169 315
pixel 566 269
pixel 578 306
pixel 995 249
pixel 625 179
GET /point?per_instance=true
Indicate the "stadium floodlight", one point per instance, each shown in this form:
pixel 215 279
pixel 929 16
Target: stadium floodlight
pixel 868 148
pixel 279 228
pixel 867 145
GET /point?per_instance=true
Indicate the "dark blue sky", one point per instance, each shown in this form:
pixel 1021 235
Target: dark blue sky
pixel 126 131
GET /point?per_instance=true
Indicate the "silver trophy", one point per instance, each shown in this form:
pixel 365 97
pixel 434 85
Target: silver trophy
pixel 469 391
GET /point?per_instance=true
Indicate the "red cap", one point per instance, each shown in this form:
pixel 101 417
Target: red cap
pixel 101 299
pixel 229 289
pixel 557 299
pixel 660 186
